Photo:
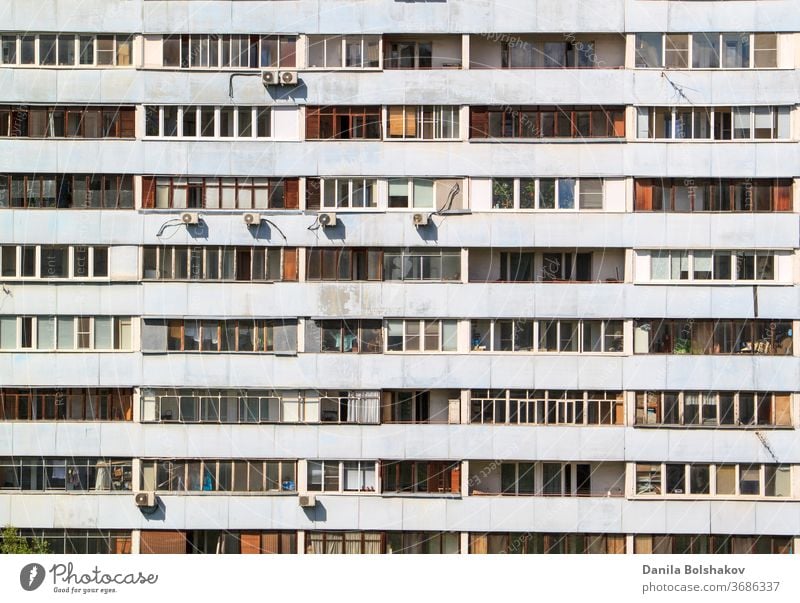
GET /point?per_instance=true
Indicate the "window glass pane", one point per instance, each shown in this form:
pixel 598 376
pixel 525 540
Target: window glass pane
pixel 398 192
pixel 648 49
pixel 705 50
pixel 46 331
pixel 102 333
pixel 736 50
pixel 423 193
pixel 566 193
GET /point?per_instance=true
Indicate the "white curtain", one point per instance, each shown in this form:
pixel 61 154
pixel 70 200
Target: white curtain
pixel 363 407
pixel 102 477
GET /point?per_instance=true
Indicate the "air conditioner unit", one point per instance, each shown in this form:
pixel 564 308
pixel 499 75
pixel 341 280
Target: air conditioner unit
pixel 145 499
pixel 308 500
pixel 420 219
pixel 269 78
pixel 287 78
pixel 190 217
pixel 327 219
pixel 252 219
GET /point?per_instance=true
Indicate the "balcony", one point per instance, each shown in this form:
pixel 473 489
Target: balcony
pixel 422 52
pixel 516 265
pixel 547 51
pixel 495 478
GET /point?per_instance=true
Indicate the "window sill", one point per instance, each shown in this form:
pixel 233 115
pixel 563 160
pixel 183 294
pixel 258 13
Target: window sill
pixel 553 68
pixel 222 493
pixel 742 428
pixel 714 497
pixel 12 492
pixel 451 495
pixel 55 351
pixel 714 141
pixel 717 283
pixel 554 139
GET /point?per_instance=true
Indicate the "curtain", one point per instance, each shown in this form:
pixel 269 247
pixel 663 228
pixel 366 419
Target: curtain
pixel 315 544
pixel 334 544
pixel 372 544
pixel 102 477
pixel 478 544
pixel 352 543
pixel 363 407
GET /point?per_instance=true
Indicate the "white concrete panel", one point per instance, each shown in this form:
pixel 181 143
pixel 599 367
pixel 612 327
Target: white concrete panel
pixel 688 517
pixel 735 517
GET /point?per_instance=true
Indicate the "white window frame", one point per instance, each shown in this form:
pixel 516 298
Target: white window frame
pixel 179 133
pixel 732 264
pixel 352 182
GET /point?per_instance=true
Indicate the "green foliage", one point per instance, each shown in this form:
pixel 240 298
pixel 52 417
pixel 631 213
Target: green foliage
pixel 503 194
pixel 12 543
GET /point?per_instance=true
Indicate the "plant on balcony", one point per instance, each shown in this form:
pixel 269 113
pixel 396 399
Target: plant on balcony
pixel 13 543
pixel 503 194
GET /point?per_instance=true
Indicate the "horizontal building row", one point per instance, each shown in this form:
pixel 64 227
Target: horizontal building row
pixel 374 336
pixel 425 477
pixel 673 409
pixel 74 541
pixel 397 123
pixel 364 194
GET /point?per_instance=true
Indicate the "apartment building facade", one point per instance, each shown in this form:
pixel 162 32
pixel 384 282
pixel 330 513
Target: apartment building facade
pixel 382 277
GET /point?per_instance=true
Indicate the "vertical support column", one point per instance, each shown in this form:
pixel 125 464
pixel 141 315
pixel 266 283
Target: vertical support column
pixel 136 542
pixel 629 543
pixel 464 51
pixel 465 402
pixel 464 542
pixel 301 541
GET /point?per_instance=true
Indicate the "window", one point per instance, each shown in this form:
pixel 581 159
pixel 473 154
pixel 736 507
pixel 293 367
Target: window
pixel 208 121
pixel 433 477
pixel 712 409
pixel 407 55
pixel 719 123
pixel 648 478
pixel 244 335
pixel 547 336
pixel 54 262
pixel 676 51
pixel 323 476
pixel 66 404
pixel 547 193
pixel 62 50
pixel 712 265
pixel 705 51
pixel 712 195
pixel 341 193
pixel 349 336
pixel 423 122
pixel 65 474
pixel 760 337
pixel 421 335
pixel 198 51
pixel 343 123
pixel 261 406
pixel 220 263
pixel 359 476
pixel 348 52
pixel 516 479
pixel 547 122
pixel 765 50
pixel 51 332
pixel 422 265
pixel 218 476
pixel 735 50
pixel 648 49
pixel 220 193
pixel 72 122
pixel 778 480
pixel 341 264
